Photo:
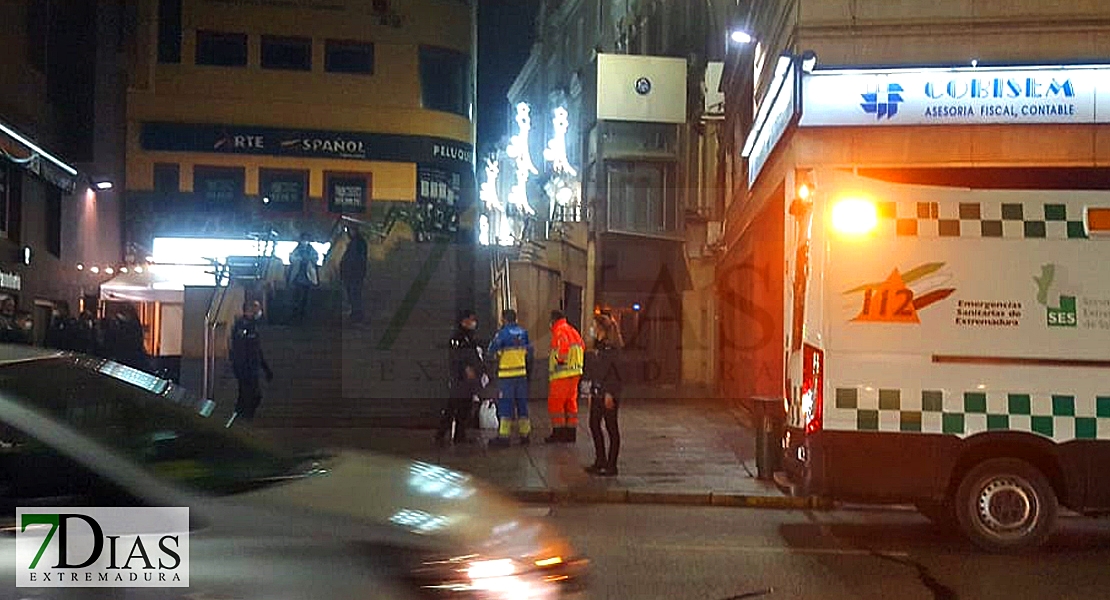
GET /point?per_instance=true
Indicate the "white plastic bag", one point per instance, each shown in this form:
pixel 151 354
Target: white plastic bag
pixel 487 415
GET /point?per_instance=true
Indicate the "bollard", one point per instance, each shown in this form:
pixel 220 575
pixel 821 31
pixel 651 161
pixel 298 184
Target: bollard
pixel 768 435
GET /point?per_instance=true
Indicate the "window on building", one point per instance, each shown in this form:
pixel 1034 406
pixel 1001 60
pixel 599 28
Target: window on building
pixel 348 193
pixel 10 192
pixel 445 80
pixel 294 54
pixel 167 177
pixel 221 49
pixel 219 187
pixel 642 199
pixel 283 190
pixel 169 31
pixel 53 221
pixel 349 57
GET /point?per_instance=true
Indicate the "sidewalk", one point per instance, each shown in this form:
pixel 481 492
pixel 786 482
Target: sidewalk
pixel 674 451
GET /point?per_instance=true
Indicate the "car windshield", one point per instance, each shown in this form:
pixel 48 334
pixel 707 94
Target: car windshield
pixel 149 420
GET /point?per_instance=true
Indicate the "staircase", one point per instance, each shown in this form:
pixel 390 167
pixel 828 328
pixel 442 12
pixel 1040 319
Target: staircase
pixel 390 370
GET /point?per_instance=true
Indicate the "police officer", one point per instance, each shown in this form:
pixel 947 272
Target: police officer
pixel 247 360
pixel 466 373
pixel 513 352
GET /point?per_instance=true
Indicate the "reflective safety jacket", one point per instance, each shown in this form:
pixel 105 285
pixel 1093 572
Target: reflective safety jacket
pixel 568 351
pixel 512 350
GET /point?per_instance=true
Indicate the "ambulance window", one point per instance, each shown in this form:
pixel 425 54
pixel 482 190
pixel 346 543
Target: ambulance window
pixel 801 278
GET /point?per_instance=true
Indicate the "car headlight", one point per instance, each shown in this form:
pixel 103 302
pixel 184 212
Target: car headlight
pixel 497 578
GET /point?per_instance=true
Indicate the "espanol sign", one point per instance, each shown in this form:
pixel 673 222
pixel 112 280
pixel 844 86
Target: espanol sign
pixel 982 95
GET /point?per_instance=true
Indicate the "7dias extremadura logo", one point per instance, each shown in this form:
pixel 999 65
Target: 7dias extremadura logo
pixel 102 547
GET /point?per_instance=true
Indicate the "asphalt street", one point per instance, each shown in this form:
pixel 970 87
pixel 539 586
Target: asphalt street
pixel 688 553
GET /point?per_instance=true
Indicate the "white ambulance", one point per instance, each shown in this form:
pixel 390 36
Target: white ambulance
pixel 950 348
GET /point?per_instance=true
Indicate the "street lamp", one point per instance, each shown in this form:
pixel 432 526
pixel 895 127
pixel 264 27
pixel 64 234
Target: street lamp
pixel 741 37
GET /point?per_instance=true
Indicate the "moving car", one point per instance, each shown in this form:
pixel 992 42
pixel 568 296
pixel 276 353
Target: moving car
pixel 77 431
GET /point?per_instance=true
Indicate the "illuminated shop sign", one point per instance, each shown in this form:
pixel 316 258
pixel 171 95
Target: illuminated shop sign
pixel 272 141
pixel 968 96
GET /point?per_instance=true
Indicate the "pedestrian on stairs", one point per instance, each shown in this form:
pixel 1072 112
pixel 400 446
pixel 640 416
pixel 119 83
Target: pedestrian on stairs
pixel 467 372
pixel 564 373
pixel 513 352
pixel 247 361
pixel 352 271
pixel 303 274
pixel 605 388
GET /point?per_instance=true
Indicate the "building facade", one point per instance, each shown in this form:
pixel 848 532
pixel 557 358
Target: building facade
pixel 643 138
pixel 60 154
pixel 957 94
pixel 244 117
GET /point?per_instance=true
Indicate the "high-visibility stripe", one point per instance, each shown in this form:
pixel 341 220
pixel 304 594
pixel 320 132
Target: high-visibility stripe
pixel 576 358
pixel 513 363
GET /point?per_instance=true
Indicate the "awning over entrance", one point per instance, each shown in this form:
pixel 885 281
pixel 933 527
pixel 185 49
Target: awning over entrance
pixel 157 283
pixel 23 151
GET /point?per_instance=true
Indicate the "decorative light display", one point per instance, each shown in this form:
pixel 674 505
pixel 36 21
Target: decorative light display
pixel 563 188
pixel 556 151
pixel 518 151
pixel 488 191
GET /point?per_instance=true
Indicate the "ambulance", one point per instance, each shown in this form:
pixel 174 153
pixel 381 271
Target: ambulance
pixel 949 348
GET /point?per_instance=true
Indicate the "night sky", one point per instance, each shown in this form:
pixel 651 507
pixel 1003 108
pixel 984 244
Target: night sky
pixel 506 30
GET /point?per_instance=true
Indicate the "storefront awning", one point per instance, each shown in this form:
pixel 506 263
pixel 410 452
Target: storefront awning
pixel 156 283
pixel 23 151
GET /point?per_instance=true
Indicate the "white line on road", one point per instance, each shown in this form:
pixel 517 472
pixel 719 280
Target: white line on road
pixel 774 550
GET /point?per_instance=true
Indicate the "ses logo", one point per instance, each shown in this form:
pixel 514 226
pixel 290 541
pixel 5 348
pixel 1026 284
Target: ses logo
pixel 882 100
pixel 102 547
pixel 1064 314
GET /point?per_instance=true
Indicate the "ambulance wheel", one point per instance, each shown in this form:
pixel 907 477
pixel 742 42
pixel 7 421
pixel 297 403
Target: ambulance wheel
pixel 1006 505
pixel 941 514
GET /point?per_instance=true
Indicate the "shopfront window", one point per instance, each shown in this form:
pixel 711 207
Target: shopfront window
pixel 283 190
pixel 445 80
pixel 348 193
pixel 219 187
pixel 167 177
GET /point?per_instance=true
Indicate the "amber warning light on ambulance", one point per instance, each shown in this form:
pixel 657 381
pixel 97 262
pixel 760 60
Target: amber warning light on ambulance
pixel 854 216
pixel 1098 221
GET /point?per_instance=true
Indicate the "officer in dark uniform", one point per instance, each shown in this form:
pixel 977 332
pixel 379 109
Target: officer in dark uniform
pixel 247 361
pixel 466 371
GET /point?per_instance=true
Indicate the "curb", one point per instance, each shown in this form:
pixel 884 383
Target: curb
pixel 616 496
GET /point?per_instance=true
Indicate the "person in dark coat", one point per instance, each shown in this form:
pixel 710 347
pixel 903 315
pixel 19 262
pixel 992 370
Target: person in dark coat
pixel 64 332
pixel 11 329
pixel 605 390
pixel 352 271
pixel 123 339
pixel 466 370
pixel 248 361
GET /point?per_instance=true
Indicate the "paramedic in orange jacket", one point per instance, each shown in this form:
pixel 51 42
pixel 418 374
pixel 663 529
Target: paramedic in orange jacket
pixel 565 371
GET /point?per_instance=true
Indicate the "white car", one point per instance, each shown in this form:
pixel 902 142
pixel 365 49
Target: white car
pixel 76 431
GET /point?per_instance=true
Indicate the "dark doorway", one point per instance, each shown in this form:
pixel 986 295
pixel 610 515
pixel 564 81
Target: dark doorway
pixel 572 304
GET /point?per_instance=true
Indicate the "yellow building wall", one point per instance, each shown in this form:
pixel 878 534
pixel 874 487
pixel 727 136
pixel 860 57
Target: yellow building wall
pixel 387 101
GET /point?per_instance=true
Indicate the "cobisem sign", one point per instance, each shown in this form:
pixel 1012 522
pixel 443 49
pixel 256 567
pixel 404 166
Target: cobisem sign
pixel 969 96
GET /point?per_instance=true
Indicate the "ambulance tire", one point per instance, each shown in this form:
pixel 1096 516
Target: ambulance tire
pixel 1006 505
pixel 940 514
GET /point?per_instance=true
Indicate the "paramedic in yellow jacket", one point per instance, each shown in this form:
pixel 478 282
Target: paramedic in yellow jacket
pixel 512 351
pixel 565 371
